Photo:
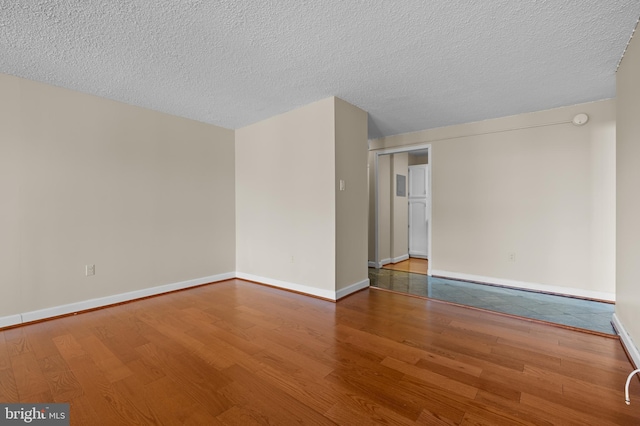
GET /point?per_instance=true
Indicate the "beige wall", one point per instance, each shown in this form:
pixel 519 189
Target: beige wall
pixel 393 213
pixel 400 207
pixel 628 195
pixel 384 210
pixel 285 197
pixel 517 184
pixel 146 197
pixel 295 229
pixel 372 206
pixel 417 159
pixel 351 152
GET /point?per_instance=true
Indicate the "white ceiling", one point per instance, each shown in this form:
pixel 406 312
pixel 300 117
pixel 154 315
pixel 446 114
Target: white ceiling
pixel 411 64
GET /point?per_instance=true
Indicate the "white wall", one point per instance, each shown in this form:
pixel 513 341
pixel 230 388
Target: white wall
pixel 146 197
pixel 628 195
pixel 517 184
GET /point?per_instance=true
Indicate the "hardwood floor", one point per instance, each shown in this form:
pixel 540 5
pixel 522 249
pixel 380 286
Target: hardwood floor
pixel 413 265
pixel 237 353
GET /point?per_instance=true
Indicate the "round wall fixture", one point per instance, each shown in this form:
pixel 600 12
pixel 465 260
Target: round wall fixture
pixel 580 119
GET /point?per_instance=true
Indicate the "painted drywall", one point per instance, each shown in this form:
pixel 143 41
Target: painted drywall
pixel 393 213
pixel 524 185
pixel 146 197
pixel 285 198
pixel 371 253
pixel 417 159
pixel 351 152
pixel 399 207
pixel 628 189
pixel 384 210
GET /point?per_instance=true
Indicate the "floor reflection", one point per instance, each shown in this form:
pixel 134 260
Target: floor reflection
pixel 585 314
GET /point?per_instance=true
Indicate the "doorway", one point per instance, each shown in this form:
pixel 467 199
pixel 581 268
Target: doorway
pixel 402 225
pixel 418 206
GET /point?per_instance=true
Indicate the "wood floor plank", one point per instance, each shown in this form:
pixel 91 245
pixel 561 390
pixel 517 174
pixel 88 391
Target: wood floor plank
pixel 29 379
pixel 201 385
pixel 103 399
pixel 352 414
pixel 62 381
pixel 429 419
pixel 8 388
pixel 262 397
pixel 16 341
pixel 572 415
pixel 446 383
pixel 486 401
pixel 5 359
pixel 241 353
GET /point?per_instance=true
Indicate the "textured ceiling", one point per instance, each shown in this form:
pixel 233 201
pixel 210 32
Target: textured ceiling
pixel 411 64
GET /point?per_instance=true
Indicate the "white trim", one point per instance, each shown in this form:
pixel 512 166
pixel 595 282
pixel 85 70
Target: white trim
pixel 626 340
pixel 352 289
pixel 376 238
pixel 385 262
pixel 10 320
pixel 116 298
pixel 371 264
pixel 400 258
pixel 327 294
pixel 600 295
pixel 418 256
pixel 84 305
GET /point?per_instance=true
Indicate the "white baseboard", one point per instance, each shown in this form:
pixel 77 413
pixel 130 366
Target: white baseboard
pixel 84 305
pixel 627 342
pixel 418 256
pixel 380 264
pixel 326 294
pixel 590 294
pixel 108 300
pixel 10 320
pixel 352 289
pixel 400 258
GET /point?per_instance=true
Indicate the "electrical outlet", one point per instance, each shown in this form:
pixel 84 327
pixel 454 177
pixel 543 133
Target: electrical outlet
pixel 512 256
pixel 89 270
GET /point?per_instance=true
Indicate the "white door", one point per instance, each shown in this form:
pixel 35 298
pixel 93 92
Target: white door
pixel 418 210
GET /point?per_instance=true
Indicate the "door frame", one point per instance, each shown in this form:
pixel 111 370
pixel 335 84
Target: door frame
pixel 426 200
pixel 386 151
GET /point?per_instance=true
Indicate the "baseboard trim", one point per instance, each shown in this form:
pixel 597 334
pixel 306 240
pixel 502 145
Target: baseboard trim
pixel 100 302
pixel 10 320
pixel 418 256
pixel 568 291
pixel 298 288
pixel 371 264
pixel 385 262
pixel 344 292
pixel 627 342
pixel 85 305
pixel 400 258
